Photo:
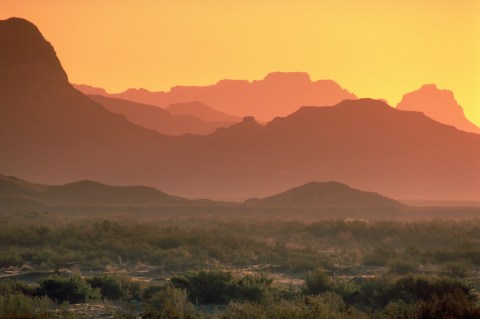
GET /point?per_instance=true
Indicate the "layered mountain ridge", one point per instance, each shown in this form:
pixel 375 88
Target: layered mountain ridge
pixel 53 134
pixel 286 90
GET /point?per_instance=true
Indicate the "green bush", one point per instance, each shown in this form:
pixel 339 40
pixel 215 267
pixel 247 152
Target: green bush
pixel 73 289
pixel 17 305
pixel 168 303
pixel 112 287
pixel 317 282
pixel 379 292
pixel 9 260
pixel 206 287
pixel 403 267
pixel 327 305
pixel 253 288
pixel 459 269
pixel 220 287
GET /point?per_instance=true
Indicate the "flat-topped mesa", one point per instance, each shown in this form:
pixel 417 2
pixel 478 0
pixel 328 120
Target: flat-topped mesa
pixel 288 77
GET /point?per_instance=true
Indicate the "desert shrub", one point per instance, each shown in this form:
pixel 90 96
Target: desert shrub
pixel 377 293
pixel 220 287
pixel 317 282
pixel 150 290
pixel 10 287
pixel 207 286
pixel 403 267
pixel 450 305
pixel 73 289
pixel 380 256
pixel 112 287
pixel 305 260
pixel 327 305
pixel 344 287
pixel 459 269
pixel 9 259
pixel 168 303
pixel 17 305
pixel 253 287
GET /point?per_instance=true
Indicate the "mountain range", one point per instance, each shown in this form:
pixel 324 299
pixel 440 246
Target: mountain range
pixel 178 119
pixel 20 195
pixel 52 133
pixel 17 194
pixel 287 91
pixel 440 105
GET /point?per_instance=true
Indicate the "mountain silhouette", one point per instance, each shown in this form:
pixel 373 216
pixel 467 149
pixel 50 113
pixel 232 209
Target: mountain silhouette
pixel 439 105
pixel 202 111
pixel 45 122
pixel 278 94
pixel 90 90
pixel 158 119
pixel 53 134
pixel 326 194
pixel 18 194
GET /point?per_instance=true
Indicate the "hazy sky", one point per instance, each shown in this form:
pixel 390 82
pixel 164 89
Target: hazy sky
pixel 374 48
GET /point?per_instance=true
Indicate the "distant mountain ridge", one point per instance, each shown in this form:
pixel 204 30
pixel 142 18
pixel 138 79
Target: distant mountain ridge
pixel 286 91
pixel 16 194
pixel 53 134
pixel 202 111
pixel 326 194
pixel 439 105
pixel 158 119
pixel 45 122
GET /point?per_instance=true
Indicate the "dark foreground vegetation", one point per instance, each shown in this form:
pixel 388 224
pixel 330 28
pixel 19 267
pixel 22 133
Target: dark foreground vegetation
pixel 130 266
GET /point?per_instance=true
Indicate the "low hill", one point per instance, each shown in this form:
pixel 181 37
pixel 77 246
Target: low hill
pixel 326 194
pixel 18 194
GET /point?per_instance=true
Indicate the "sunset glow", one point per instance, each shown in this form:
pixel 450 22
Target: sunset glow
pixel 378 49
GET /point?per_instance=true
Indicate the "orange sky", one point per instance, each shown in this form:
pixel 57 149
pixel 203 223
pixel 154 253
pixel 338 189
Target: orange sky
pixel 374 48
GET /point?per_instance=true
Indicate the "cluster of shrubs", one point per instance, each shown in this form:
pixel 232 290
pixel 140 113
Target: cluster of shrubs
pixel 251 296
pixel 221 287
pixel 296 247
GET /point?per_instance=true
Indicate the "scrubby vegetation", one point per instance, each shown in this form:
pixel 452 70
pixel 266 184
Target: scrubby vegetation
pixel 238 268
pixel 411 296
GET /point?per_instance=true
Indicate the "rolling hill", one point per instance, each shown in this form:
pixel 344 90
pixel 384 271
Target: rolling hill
pixel 17 194
pixel 326 194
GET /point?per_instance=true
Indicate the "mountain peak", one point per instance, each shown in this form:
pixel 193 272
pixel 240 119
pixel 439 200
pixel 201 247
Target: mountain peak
pixel 249 120
pixel 290 77
pixel 19 24
pixel 438 104
pixel 364 102
pixel 26 57
pixel 430 86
